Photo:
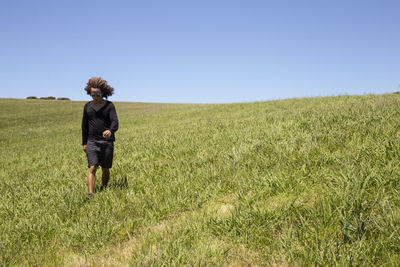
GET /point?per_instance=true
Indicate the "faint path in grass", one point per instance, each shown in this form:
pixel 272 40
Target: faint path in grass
pixel 152 245
pixel 144 246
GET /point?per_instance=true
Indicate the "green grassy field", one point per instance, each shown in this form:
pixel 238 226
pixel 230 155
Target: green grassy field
pixel 312 181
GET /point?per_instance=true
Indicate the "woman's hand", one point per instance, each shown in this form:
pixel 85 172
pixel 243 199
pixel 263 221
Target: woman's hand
pixel 84 147
pixel 107 134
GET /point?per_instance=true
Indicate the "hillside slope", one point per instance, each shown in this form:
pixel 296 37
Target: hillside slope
pixel 290 182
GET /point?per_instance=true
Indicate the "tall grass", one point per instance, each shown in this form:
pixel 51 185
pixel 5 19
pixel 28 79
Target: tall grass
pixel 311 181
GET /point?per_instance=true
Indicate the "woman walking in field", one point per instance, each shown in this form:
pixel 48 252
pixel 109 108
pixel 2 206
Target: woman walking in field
pixel 99 124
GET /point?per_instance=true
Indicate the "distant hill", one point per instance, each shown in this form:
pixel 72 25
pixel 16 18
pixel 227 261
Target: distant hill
pixel 49 98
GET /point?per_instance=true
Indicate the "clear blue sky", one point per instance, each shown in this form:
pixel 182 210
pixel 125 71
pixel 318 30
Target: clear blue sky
pixel 200 51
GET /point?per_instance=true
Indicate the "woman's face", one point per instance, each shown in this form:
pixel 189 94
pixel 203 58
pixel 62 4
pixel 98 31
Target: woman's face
pixel 96 93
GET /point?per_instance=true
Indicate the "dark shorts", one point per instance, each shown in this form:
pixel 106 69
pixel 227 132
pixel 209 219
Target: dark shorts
pixel 100 153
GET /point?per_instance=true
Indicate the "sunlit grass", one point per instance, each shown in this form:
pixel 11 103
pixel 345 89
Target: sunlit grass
pixel 291 182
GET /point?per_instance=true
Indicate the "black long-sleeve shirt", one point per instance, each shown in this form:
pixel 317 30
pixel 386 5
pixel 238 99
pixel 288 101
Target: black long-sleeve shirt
pixel 94 123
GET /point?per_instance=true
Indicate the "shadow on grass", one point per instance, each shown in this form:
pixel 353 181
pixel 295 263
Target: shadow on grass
pixel 119 182
pixel 116 183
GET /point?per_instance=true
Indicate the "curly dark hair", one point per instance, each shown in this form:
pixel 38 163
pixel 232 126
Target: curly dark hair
pixel 98 82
